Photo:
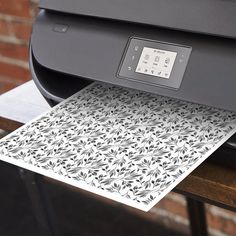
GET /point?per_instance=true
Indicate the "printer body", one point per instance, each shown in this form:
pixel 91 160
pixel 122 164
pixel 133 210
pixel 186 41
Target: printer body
pixel 182 49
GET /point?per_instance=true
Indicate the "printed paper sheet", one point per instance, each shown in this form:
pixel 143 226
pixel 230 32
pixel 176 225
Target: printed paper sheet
pixel 123 144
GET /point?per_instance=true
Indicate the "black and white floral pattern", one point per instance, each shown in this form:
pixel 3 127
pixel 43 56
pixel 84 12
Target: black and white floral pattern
pixel 128 145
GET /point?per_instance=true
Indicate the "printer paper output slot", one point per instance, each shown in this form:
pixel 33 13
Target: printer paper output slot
pixel 52 83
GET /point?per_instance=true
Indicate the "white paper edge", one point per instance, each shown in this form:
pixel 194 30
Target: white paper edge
pixel 95 190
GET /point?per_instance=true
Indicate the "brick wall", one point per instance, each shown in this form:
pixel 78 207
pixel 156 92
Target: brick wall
pixel 15 28
pixel 16 18
pixel 171 211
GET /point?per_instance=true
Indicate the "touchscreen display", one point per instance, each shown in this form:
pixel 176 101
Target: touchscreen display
pixel 156 62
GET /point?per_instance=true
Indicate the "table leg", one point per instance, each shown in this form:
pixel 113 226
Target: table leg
pixel 197 217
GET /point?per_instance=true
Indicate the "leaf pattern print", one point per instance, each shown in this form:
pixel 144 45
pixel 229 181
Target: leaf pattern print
pixel 129 145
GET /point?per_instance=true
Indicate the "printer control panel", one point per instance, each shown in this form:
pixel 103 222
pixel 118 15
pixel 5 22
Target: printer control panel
pixel 153 62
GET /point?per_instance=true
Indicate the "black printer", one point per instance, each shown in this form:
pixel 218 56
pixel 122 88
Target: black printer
pixel 184 49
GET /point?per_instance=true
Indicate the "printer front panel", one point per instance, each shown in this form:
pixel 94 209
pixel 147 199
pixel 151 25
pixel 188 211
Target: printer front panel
pixel 96 49
pixel 155 63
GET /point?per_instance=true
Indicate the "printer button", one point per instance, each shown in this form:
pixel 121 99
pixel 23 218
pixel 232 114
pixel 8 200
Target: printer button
pixel 60 28
pixel 136 48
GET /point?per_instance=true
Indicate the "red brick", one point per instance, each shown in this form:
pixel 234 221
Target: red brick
pixel 7 84
pixel 173 207
pixel 4 30
pixel 20 8
pixel 15 51
pixel 221 224
pixel 21 30
pixel 16 73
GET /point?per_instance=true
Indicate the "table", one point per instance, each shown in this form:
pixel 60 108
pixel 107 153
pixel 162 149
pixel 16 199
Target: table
pixel 209 183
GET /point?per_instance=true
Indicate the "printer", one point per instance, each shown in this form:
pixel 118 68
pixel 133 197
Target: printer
pixel 183 49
